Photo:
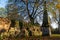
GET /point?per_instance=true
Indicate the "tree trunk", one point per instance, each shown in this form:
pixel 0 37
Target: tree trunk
pixel 30 16
pixel 31 19
pixel 20 24
pixel 12 23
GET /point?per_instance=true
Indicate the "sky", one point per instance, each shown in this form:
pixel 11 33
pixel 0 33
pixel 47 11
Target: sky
pixel 3 3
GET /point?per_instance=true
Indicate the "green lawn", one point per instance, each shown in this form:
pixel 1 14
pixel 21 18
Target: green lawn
pixel 55 35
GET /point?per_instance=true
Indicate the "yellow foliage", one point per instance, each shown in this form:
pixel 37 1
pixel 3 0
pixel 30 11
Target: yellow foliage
pixel 36 31
pixel 58 6
pixel 4 23
pixel 58 0
pixel 14 31
pixel 17 23
pixel 26 32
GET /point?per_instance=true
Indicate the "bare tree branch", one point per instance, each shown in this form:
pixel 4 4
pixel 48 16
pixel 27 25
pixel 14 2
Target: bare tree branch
pixel 35 11
pixel 32 12
pixel 38 13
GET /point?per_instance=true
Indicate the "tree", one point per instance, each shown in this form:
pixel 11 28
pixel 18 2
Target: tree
pixel 58 7
pixel 12 11
pixel 31 8
pixel 3 12
pixel 52 8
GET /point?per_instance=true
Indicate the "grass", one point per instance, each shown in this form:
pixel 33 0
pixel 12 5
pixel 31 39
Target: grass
pixel 55 35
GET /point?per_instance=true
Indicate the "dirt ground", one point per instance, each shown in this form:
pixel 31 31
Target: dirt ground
pixel 36 38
